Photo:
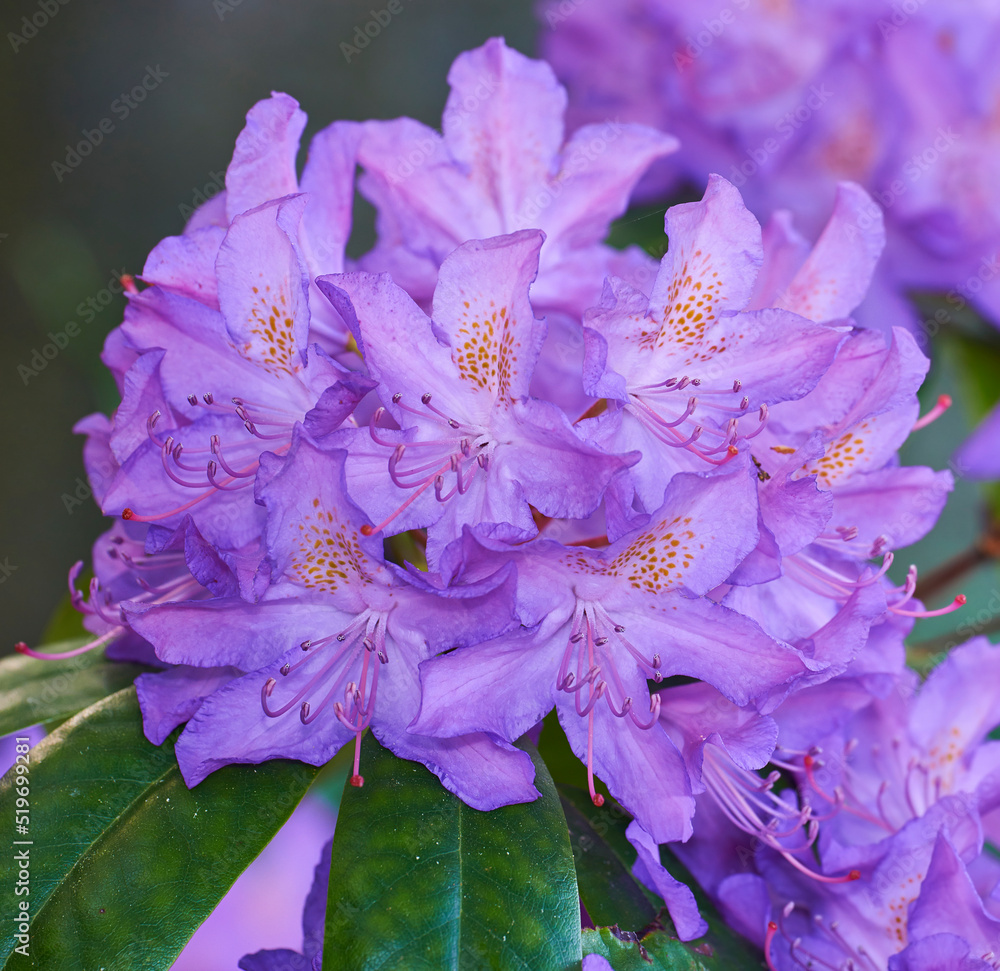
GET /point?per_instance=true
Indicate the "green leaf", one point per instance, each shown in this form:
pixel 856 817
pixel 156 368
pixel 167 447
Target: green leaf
pixel 604 859
pixel 48 692
pixel 979 363
pixel 125 860
pixel 721 949
pixel 420 881
pixel 660 950
pixel 640 226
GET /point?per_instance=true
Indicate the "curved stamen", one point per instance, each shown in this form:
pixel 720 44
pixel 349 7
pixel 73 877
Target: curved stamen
pixel 943 404
pixel 166 450
pixel 23 648
pixel 772 929
pixel 227 485
pixel 216 446
pixel 959 601
pixel 367 530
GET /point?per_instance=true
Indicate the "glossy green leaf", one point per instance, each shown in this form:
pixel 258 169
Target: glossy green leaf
pixel 660 950
pixel 420 881
pixel 34 692
pixel 125 860
pixel 604 858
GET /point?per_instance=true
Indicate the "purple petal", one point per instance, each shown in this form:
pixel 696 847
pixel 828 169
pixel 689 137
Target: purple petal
pixel 703 716
pixel 328 181
pixel 231 726
pixel 395 335
pixel 170 698
pixel 900 503
pixel 676 895
pixel 703 640
pixel 979 457
pixel 263 165
pixel 186 265
pixel 481 309
pixel 263 286
pixel 714 255
pixel 949 904
pixel 482 772
pixel 835 277
pixel 560 475
pixel 221 632
pixel 502 687
pixel 501 98
pixel 642 768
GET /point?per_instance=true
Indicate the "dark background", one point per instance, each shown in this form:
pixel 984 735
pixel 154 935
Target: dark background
pixel 61 242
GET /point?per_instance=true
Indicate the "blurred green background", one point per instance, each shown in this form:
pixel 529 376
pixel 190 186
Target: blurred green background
pixel 63 240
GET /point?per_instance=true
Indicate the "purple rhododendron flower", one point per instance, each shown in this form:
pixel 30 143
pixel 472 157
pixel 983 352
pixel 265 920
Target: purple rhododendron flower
pixel 457 385
pixel 690 335
pixel 891 798
pixel 344 632
pixel 496 467
pixel 500 166
pixel 787 100
pixel 596 624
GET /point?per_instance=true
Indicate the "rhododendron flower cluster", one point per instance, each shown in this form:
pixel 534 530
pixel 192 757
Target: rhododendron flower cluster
pixel 496 467
pixel 788 99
